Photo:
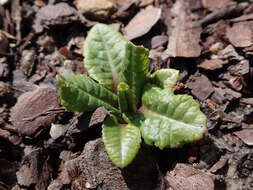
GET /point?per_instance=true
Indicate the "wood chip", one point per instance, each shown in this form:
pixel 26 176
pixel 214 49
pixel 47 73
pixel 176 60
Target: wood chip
pixel 142 22
pixel 4 68
pixel 230 53
pixel 96 9
pixel 240 69
pixel 35 169
pixel 200 87
pixel 185 177
pixel 246 135
pixel 241 34
pixel 185 35
pixel 219 165
pixel 82 122
pixel 212 64
pixel 216 4
pixel 3 42
pixel 145 3
pixel 243 18
pixel 236 83
pixel 223 13
pixel 247 101
pixel 157 41
pixel 231 94
pixel 123 3
pixel 104 175
pixel 35 110
pixel 58 14
pixel 218 96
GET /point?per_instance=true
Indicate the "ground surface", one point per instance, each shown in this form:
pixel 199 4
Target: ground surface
pixel 44 147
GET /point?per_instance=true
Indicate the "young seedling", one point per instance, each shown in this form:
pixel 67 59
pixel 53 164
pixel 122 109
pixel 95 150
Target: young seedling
pixel 141 106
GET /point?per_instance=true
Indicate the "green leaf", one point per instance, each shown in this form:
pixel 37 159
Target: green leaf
pixel 134 72
pixel 168 120
pixel 123 92
pixel 165 78
pixel 122 141
pixel 79 93
pixel 104 52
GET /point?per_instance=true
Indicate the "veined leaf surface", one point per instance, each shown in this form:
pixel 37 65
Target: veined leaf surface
pixel 165 78
pixel 122 141
pixel 104 53
pixel 168 120
pixel 123 92
pixel 79 93
pixel 134 73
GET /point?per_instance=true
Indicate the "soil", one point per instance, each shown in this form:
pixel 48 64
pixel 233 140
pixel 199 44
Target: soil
pixel 44 147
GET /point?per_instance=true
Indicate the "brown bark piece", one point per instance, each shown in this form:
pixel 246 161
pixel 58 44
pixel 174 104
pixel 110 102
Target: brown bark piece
pixel 157 41
pixel 123 3
pixel 243 18
pixel 185 35
pixel 4 134
pixel 241 34
pixel 200 87
pixel 20 83
pixel 231 94
pixel 58 14
pixel 3 42
pixel 35 169
pixel 230 53
pixel 142 22
pixel 4 90
pixel 96 9
pixel 93 169
pixel 212 64
pixel 216 4
pixel 218 96
pixel 55 185
pixel 82 122
pixel 246 135
pixel 35 110
pixel 240 69
pixel 145 3
pixel 223 13
pixel 27 62
pixel 219 165
pixel 4 68
pixel 247 101
pixel 185 177
pixel 236 83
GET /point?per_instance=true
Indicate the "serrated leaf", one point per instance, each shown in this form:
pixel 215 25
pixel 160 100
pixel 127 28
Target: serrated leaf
pixel 79 93
pixel 165 78
pixel 104 52
pixel 168 120
pixel 134 73
pixel 122 141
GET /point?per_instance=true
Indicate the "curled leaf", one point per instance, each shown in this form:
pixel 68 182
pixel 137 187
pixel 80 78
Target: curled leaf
pixel 165 78
pixel 134 72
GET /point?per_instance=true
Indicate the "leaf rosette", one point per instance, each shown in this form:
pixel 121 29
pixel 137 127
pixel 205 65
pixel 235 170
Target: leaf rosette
pixel 141 106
